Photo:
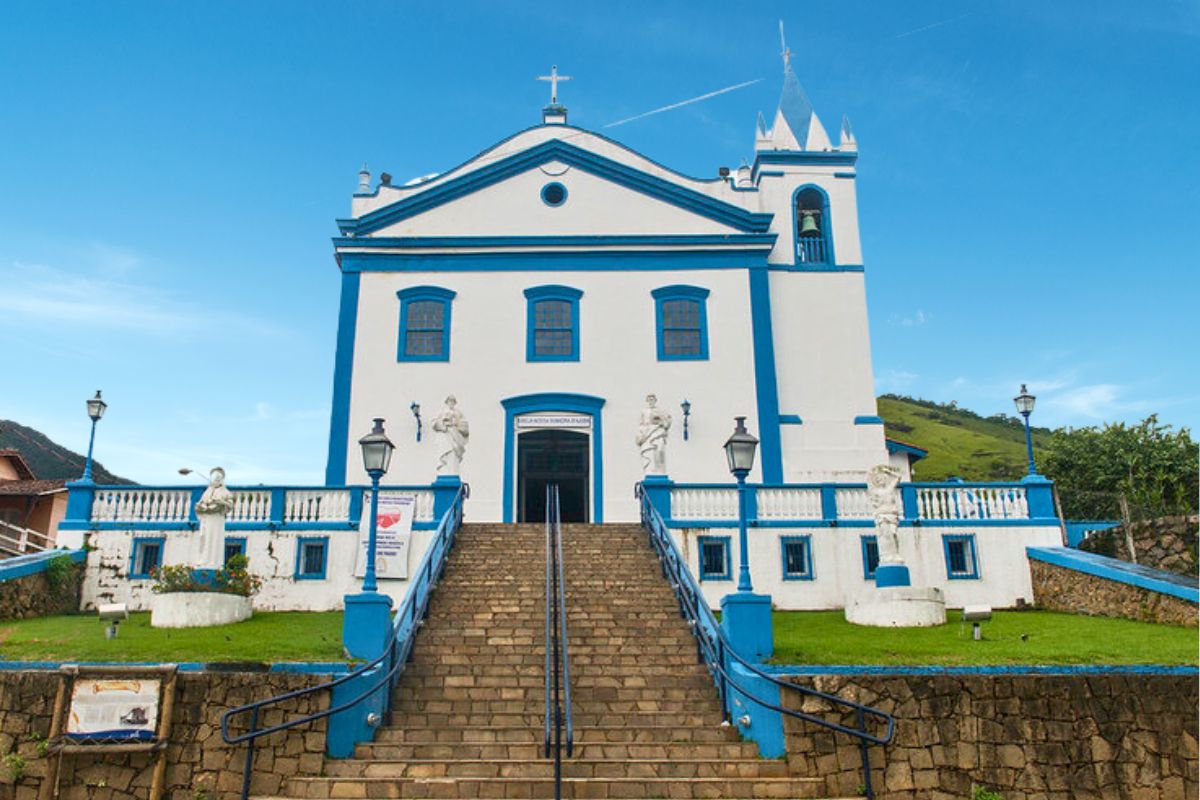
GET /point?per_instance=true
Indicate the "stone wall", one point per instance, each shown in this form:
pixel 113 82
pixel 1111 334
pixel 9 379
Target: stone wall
pixel 1049 737
pixel 1059 589
pixel 1167 543
pixel 35 596
pixel 199 763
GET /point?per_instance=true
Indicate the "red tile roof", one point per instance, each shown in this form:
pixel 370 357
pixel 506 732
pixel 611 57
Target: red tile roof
pixel 32 487
pixel 18 462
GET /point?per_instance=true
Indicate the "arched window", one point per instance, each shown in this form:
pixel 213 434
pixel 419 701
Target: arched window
pixel 681 323
pixel 424 324
pixel 552 329
pixel 813 243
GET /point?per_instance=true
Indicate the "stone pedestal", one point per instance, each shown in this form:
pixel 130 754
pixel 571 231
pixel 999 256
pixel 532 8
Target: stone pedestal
pixel 898 607
pixel 197 609
pixel 366 625
pixel 746 622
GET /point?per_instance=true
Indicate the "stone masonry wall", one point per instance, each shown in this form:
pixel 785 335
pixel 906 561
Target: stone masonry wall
pixel 1059 589
pixel 1167 543
pixel 33 596
pixel 1029 737
pixel 199 763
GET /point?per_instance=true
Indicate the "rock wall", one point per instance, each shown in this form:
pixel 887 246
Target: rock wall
pixel 1059 589
pixel 1049 737
pixel 200 766
pixel 1167 543
pixel 35 596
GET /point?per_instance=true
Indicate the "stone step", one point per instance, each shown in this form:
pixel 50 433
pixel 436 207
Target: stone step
pixel 581 707
pixel 664 681
pixel 536 719
pixel 450 787
pixel 574 767
pixel 627 734
pixel 616 672
pixel 532 750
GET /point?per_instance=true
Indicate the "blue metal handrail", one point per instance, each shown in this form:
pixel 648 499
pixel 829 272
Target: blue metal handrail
pixel 558 663
pixel 715 651
pixel 407 620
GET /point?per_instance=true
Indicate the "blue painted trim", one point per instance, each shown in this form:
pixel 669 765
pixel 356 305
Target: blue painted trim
pixel 807 574
pixel 1010 669
pixel 430 294
pixel 826 228
pixel 135 555
pixel 580 261
pixel 301 541
pixel 845 174
pixel 770 523
pixel 766 387
pixel 894 446
pixel 240 541
pixel 548 187
pixel 552 292
pixel 295 667
pixel 866 419
pixel 553 401
pixel 1077 529
pixel 817 268
pixel 790 419
pixel 694 294
pixel 571 155
pixel 339 415
pixel 727 575
pixel 865 542
pixel 1119 571
pixel 829 512
pixel 20 566
pixel 803 158
pixel 892 575
pixel 972 554
pixel 756 240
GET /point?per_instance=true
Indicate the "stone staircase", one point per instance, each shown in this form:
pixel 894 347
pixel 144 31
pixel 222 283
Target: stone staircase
pixel 468 713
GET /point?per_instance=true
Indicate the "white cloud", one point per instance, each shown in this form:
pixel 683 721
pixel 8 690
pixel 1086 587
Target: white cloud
pixel 895 380
pixel 919 317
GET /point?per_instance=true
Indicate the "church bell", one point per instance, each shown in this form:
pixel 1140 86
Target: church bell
pixel 808 224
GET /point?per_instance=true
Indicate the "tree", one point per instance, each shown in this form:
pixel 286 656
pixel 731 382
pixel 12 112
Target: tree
pixel 1155 467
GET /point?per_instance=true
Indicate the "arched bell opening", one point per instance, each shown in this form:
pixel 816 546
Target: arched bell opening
pixel 812 227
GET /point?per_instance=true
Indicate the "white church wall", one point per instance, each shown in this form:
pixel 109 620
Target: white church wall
pixel 775 196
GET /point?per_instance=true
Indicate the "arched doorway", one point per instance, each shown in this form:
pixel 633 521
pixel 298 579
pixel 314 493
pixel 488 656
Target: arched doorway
pixel 552 456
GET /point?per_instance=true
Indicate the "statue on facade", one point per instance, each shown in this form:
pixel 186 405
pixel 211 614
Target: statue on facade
pixel 882 481
pixel 453 430
pixel 651 437
pixel 211 509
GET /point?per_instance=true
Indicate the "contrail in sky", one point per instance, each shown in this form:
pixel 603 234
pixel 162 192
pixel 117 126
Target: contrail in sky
pixel 684 102
pixel 931 25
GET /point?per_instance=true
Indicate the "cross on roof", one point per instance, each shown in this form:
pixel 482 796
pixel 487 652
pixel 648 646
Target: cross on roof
pixel 554 78
pixel 786 53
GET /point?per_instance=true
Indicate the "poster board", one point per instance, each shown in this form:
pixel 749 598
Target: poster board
pixel 116 708
pixel 392 537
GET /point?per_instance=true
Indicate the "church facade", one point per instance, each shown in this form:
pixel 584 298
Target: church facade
pixel 554 281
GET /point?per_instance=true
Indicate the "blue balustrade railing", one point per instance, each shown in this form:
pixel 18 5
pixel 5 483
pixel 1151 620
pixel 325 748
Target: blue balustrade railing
pixel 714 651
pixel 812 250
pixel 381 673
pixel 558 662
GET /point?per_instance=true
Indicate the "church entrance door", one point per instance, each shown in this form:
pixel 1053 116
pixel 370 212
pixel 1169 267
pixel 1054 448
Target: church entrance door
pixel 552 456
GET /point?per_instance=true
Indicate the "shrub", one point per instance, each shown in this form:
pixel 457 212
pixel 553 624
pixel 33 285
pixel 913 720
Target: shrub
pixel 232 579
pixel 59 573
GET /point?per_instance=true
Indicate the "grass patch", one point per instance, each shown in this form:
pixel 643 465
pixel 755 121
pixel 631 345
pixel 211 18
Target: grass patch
pixel 824 637
pixel 267 637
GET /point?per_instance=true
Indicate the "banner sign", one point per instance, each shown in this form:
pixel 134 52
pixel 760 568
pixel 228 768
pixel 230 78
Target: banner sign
pixel 113 708
pixel 392 537
pixel 583 421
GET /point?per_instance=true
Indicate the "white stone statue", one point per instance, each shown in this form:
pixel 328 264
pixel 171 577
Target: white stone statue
pixel 651 437
pixel 211 509
pixel 882 481
pixel 454 433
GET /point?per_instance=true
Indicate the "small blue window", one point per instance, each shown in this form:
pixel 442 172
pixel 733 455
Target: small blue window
pixel 681 323
pixel 424 323
pixel 554 194
pixel 796 553
pixel 552 323
pixel 312 554
pixel 147 556
pixel 234 546
pixel 870 556
pixel 714 558
pixel 962 562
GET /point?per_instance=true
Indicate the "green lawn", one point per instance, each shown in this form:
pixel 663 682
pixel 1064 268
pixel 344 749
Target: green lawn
pixel 824 637
pixel 266 637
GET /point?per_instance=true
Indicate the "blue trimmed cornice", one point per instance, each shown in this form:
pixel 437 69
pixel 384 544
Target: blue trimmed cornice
pixel 748 240
pixel 579 261
pixel 557 150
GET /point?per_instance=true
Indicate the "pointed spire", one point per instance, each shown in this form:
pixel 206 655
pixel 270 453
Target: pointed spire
pixel 797 126
pixel 848 142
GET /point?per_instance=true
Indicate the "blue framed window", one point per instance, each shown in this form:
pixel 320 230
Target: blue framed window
pixel 424 324
pixel 554 194
pixel 552 323
pixel 962 562
pixel 681 323
pixel 312 555
pixel 234 546
pixel 870 556
pixel 147 556
pixel 796 555
pixel 714 558
pixel 811 227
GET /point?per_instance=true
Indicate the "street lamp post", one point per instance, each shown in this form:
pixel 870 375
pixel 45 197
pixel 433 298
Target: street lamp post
pixel 377 454
pixel 739 450
pixel 1024 402
pixel 95 409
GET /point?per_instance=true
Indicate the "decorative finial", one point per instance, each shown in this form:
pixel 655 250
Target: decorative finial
pixel 848 142
pixel 554 78
pixel 364 180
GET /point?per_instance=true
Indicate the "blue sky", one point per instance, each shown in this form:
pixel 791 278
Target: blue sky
pixel 170 173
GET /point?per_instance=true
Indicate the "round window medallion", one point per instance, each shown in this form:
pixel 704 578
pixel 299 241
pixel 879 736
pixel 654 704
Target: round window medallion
pixel 554 194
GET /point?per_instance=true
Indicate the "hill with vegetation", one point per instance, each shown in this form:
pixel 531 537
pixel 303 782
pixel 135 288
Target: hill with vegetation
pixel 47 458
pixel 960 442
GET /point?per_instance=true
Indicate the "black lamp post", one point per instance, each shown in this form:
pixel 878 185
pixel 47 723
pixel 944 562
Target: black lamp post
pixel 1024 402
pixel 739 450
pixel 95 409
pixel 377 454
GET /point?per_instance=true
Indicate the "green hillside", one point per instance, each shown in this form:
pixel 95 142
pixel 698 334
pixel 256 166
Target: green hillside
pixel 960 442
pixel 47 458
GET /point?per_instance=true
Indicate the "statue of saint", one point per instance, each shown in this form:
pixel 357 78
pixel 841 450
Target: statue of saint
pixel 651 437
pixel 454 430
pixel 211 509
pixel 882 481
